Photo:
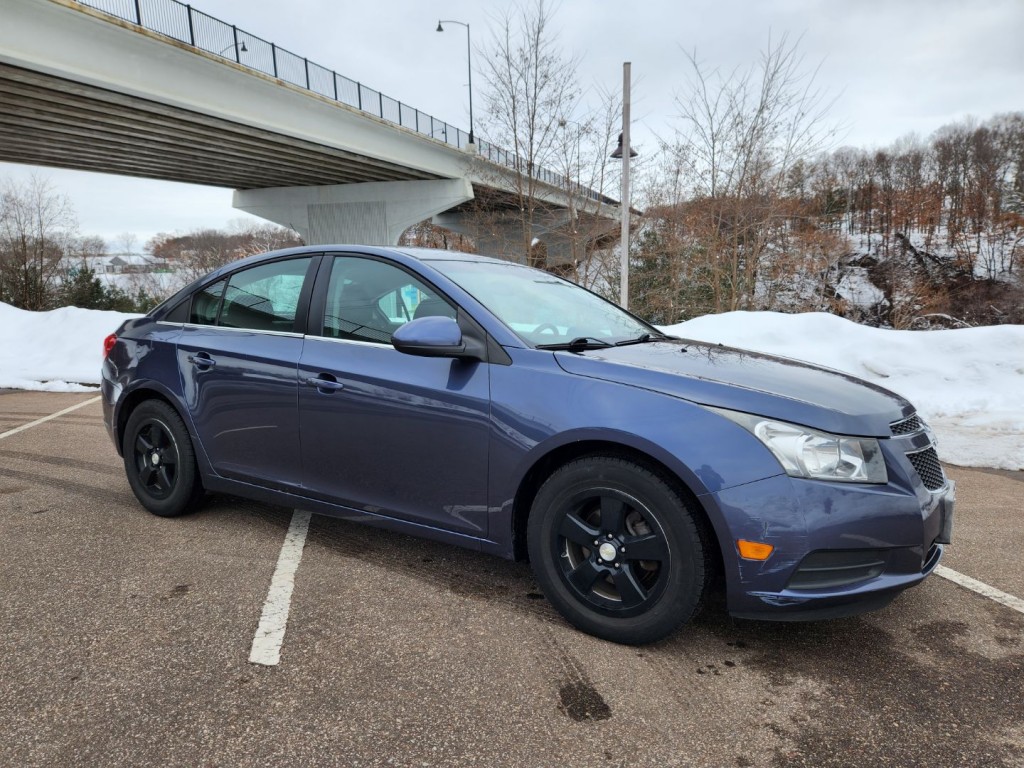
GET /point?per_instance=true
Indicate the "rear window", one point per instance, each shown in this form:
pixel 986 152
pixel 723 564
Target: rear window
pixel 263 298
pixel 205 304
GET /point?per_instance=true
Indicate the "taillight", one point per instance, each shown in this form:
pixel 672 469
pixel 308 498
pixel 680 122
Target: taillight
pixel 108 344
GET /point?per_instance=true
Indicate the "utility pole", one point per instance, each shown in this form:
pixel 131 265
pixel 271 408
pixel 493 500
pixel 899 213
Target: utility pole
pixel 624 267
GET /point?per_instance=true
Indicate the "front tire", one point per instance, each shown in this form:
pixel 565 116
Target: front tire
pixel 160 461
pixel 617 550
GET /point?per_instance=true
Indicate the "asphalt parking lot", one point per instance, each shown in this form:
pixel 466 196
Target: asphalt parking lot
pixel 125 639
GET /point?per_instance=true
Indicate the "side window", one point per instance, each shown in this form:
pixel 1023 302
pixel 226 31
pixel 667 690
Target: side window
pixel 264 298
pixel 180 312
pixel 205 304
pixel 368 300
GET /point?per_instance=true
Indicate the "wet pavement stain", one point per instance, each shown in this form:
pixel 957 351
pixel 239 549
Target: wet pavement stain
pixel 885 707
pixel 1005 619
pixel 581 701
pixel 937 635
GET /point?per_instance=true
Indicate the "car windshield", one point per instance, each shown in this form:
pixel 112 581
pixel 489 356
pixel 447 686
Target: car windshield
pixel 542 309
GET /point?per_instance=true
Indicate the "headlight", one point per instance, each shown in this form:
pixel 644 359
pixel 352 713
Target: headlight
pixel 806 452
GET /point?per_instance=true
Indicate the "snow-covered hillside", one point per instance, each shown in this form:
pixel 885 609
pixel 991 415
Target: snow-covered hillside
pixel 968 384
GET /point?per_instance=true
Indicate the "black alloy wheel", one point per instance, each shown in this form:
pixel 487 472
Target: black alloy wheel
pixel 611 551
pixel 617 550
pixel 159 460
pixel 156 458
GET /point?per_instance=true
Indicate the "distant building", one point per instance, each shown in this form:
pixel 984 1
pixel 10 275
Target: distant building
pixel 119 263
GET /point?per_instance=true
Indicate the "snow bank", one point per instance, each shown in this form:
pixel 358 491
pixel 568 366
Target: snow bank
pixel 967 384
pixel 57 351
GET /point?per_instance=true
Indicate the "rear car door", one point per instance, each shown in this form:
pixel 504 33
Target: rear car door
pixel 238 356
pixel 383 431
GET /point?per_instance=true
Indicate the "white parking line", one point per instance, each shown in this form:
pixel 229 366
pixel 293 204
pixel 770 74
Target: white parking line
pixel 266 646
pixel 52 416
pixel 981 588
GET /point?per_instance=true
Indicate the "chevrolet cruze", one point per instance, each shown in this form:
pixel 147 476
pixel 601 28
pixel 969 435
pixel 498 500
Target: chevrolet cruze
pixel 490 405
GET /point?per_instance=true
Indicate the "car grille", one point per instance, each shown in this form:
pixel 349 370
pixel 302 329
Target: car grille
pixel 926 463
pixel 906 426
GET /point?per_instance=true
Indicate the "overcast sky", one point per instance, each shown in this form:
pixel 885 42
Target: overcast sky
pixel 895 66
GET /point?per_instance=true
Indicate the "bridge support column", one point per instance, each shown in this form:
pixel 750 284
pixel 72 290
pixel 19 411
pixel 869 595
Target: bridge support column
pixel 557 241
pixel 372 213
pixel 493 234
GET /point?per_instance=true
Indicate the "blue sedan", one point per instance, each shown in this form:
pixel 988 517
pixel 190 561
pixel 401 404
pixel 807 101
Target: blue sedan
pixel 490 405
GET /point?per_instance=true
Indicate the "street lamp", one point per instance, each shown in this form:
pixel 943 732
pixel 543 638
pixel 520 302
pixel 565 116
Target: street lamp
pixel 469 65
pixel 239 48
pixel 617 153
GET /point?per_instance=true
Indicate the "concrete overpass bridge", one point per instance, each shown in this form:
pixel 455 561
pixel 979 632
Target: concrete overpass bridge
pixel 157 89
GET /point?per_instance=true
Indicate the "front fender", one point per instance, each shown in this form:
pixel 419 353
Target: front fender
pixel 538 408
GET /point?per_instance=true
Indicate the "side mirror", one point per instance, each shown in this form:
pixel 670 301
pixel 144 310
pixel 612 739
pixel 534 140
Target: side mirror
pixel 430 337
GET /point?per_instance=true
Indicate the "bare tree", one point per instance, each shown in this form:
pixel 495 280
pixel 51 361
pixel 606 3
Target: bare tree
pixel 37 229
pixel 195 253
pixel 736 166
pixel 582 162
pixel 126 242
pixel 426 234
pixel 532 86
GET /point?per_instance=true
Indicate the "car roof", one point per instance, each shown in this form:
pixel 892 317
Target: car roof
pixel 436 254
pixel 420 254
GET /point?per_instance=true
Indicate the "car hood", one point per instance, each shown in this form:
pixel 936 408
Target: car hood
pixel 737 379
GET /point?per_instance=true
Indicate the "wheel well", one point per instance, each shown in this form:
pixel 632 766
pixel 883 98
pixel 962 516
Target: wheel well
pixel 561 456
pixel 131 402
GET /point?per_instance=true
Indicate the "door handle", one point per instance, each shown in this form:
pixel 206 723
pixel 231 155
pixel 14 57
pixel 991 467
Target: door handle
pixel 325 383
pixel 202 360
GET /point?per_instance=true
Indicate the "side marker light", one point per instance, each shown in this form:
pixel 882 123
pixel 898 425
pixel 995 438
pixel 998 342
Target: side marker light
pixel 754 550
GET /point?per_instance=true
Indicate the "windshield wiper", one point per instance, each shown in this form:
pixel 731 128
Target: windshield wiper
pixel 643 338
pixel 580 342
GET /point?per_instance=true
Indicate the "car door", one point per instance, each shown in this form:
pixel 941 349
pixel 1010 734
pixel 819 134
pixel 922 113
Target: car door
pixel 238 357
pixel 383 431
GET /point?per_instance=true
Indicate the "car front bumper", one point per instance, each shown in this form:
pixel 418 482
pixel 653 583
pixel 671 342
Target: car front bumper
pixel 840 550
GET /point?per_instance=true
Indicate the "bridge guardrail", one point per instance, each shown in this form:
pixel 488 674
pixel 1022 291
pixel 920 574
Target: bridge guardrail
pixel 185 24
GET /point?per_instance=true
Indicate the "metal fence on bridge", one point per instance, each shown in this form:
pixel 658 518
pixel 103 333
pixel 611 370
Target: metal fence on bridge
pixel 185 24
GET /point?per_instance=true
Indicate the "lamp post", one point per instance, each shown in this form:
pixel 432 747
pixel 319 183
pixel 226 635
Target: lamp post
pixel 626 153
pixel 469 66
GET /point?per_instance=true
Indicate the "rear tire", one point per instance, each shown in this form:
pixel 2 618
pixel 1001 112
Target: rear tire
pixel 159 460
pixel 617 550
